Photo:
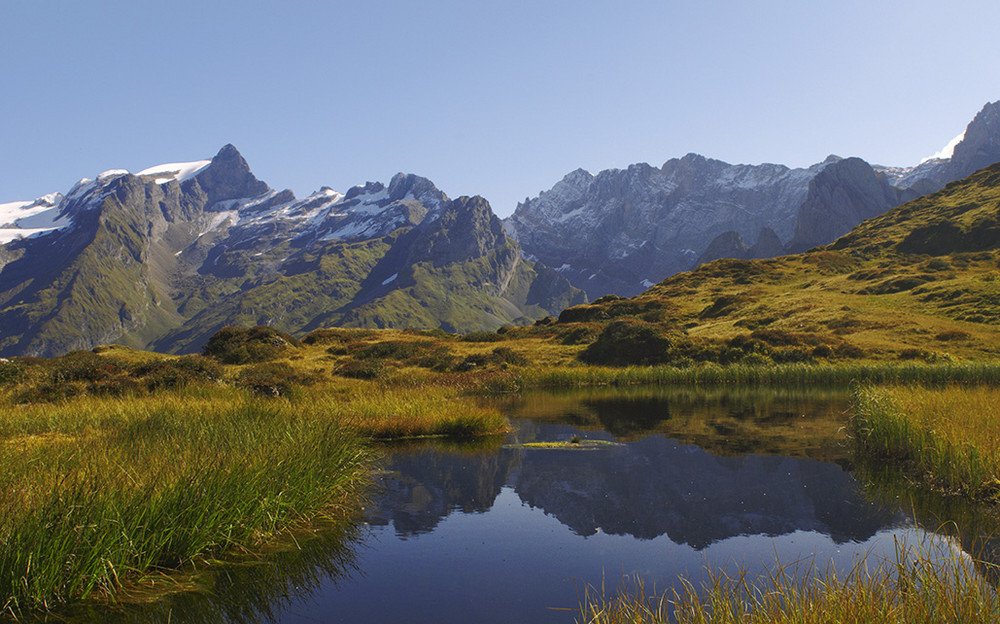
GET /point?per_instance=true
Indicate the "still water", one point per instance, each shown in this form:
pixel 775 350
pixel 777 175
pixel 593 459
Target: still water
pixel 510 532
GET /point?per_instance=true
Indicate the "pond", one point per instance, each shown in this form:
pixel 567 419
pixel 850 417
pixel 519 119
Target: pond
pixel 650 483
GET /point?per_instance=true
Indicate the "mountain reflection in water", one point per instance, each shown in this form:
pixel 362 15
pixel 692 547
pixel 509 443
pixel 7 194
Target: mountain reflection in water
pixel 510 532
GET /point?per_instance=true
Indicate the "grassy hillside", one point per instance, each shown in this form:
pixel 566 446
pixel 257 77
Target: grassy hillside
pixel 920 282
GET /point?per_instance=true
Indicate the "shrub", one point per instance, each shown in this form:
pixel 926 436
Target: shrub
pixel 438 358
pixel 628 341
pixel 271 379
pixel 10 372
pixel 953 334
pixel 85 366
pixel 178 373
pixel 238 345
pixel 580 334
pixel 360 369
pixel 388 349
pixel 326 336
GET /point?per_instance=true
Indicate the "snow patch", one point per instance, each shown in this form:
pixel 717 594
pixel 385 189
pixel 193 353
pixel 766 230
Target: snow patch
pixel 390 279
pixel 111 173
pixel 176 171
pixel 947 151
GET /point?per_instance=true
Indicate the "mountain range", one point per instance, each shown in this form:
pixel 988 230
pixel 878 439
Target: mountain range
pixel 623 230
pixel 163 258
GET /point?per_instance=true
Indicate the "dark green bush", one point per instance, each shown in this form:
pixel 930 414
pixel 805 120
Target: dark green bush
pixel 85 366
pixel 388 350
pixel 163 374
pixel 271 379
pixel 953 334
pixel 10 372
pixel 361 369
pixel 628 341
pixel 238 345
pixel 326 336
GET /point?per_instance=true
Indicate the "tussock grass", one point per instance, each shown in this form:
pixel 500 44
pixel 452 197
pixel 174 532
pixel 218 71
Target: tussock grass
pixel 915 587
pixel 948 438
pixel 100 492
pixel 843 373
pixel 95 492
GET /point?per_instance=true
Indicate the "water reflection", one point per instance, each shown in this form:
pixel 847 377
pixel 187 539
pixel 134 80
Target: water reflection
pixel 501 532
pixel 255 590
pixel 682 470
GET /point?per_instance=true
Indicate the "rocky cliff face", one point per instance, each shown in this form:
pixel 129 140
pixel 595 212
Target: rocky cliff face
pixel 620 231
pixel 841 196
pixel 166 257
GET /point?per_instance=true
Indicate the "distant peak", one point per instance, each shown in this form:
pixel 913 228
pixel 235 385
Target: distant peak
pixel 578 176
pixel 228 151
pixel 947 151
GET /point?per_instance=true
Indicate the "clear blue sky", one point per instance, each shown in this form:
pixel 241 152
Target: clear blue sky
pixel 494 98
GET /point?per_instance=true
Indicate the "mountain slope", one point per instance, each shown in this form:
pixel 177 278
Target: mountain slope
pixel 620 231
pixel 920 281
pixel 166 257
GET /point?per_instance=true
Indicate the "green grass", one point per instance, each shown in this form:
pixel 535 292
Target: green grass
pixel 947 438
pixel 770 374
pixel 99 493
pixel 913 588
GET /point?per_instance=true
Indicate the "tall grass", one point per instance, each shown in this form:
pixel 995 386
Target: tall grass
pixel 949 437
pixel 95 492
pixel 770 374
pixel 109 490
pixel 915 587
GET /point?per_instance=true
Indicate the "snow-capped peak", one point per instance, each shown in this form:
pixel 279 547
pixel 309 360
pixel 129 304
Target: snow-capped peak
pixel 176 171
pixel 947 151
pixel 111 173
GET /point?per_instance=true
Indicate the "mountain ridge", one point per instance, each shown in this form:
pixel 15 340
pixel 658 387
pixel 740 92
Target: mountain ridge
pixel 616 231
pixel 165 258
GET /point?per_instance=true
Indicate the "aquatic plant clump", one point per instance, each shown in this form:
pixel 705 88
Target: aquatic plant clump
pixel 114 490
pixel 948 438
pixel 913 587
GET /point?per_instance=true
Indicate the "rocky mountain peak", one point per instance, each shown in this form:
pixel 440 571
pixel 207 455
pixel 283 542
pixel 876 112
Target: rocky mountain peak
pixel 405 186
pixel 980 146
pixel 228 177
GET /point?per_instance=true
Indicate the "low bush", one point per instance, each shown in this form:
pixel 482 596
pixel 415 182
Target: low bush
pixel 360 369
pixel 954 334
pixel 238 345
pixel 10 372
pixel 178 373
pixel 272 379
pixel 628 341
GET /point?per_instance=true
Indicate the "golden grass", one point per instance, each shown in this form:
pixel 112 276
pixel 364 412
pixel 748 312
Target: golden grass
pixel 948 438
pixel 913 588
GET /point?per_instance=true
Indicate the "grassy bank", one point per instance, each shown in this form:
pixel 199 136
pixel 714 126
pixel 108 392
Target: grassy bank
pixel 841 373
pixel 914 587
pixel 96 492
pixel 946 438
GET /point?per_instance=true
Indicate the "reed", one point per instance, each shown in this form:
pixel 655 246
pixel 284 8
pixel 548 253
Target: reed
pixel 948 438
pixel 90 504
pixel 97 491
pixel 843 373
pixel 914 587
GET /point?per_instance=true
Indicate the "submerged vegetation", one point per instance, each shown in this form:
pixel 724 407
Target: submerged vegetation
pixel 947 439
pixel 913 587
